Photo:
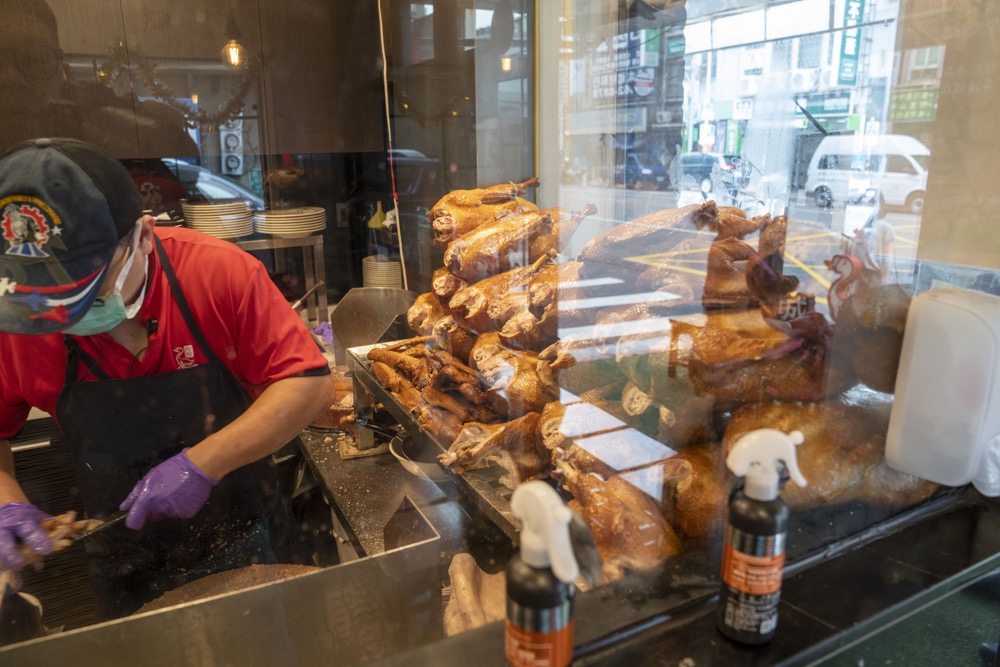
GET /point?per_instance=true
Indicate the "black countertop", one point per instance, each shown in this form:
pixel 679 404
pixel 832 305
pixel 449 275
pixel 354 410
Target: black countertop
pixel 828 604
pixel 829 600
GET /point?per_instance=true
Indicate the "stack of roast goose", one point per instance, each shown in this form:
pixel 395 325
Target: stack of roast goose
pixel 626 382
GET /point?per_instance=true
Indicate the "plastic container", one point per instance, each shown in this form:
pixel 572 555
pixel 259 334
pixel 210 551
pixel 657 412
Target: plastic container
pixel 945 419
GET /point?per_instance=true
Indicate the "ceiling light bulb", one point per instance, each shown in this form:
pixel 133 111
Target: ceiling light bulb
pixel 505 63
pixel 234 54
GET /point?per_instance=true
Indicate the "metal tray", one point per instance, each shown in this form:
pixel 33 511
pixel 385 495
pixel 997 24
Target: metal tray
pixel 816 534
pixel 482 485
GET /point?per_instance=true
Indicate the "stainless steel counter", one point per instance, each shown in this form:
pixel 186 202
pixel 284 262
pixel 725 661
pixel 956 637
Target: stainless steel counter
pixel 365 492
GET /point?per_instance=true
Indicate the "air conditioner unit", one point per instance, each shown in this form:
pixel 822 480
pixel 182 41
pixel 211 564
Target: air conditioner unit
pixel 664 116
pixel 749 86
pixel 803 80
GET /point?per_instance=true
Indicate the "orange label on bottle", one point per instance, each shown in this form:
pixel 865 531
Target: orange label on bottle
pixel 756 575
pixel 538 649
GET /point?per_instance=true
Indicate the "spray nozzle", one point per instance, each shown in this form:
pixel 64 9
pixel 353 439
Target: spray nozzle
pixel 756 455
pixel 545 523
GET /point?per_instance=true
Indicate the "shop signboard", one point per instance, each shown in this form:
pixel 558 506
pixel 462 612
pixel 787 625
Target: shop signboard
pixel 837 103
pixel 915 106
pixel 743 108
pixel 850 43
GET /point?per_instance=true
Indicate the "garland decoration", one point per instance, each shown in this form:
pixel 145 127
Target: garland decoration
pixel 117 67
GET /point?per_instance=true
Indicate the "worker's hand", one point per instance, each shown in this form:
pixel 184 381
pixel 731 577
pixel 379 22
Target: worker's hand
pixel 21 522
pixel 175 489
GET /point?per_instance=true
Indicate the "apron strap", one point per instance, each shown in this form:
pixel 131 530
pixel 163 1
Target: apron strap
pixel 182 303
pixel 75 357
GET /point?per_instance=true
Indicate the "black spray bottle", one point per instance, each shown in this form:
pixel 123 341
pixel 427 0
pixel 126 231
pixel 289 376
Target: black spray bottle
pixel 753 553
pixel 540 581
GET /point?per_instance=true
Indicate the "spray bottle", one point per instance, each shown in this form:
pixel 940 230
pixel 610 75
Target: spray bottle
pixel 753 554
pixel 539 630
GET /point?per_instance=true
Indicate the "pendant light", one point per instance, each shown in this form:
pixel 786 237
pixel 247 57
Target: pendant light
pixel 234 54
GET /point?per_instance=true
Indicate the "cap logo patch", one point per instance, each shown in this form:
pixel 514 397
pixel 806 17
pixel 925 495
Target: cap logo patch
pixel 27 224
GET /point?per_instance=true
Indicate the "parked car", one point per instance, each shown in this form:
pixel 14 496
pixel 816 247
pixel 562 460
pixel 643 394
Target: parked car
pixel 844 167
pixel 641 170
pixel 695 169
pixel 203 183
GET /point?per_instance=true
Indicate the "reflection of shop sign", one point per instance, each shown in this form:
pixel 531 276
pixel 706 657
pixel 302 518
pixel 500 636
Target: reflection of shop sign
pixel 850 42
pixel 829 104
pixel 607 121
pixel 637 82
pixel 675 47
pixel 626 65
pixel 913 105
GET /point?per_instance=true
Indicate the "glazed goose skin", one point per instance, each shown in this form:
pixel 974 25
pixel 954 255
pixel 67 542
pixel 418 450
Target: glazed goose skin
pixel 461 211
pixel 496 246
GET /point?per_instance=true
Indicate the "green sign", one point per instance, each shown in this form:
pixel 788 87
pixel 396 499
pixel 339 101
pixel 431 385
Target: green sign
pixel 675 47
pixel 850 43
pixel 827 104
pixel 913 105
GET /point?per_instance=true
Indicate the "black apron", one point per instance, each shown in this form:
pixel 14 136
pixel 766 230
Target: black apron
pixel 118 429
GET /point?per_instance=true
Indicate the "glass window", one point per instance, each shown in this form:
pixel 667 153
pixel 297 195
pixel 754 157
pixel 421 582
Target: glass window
pixel 810 50
pixel 897 164
pixel 592 244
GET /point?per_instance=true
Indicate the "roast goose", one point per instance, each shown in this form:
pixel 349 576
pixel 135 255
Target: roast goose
pixel 496 246
pixel 611 400
pixel 461 211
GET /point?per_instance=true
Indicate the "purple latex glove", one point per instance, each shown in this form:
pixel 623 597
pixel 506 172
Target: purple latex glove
pixel 21 522
pixel 175 489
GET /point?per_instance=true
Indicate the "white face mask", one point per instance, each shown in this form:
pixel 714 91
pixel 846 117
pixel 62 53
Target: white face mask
pixel 109 311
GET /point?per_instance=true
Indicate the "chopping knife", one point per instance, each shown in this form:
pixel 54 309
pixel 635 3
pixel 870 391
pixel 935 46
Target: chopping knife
pixel 111 520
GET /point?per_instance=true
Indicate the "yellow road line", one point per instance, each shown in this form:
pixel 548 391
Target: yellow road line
pixel 818 278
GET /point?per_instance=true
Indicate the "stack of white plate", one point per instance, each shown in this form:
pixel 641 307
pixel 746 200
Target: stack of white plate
pixel 380 272
pixel 290 223
pixel 226 220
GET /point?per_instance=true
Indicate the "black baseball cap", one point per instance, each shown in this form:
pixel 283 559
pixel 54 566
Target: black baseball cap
pixel 64 206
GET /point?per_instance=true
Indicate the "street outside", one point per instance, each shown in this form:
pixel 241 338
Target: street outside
pixel 814 234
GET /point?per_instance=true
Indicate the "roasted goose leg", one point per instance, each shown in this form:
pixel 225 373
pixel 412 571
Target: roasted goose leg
pixel 516 446
pixel 516 387
pixel 486 305
pixel 454 338
pixel 424 313
pixel 444 285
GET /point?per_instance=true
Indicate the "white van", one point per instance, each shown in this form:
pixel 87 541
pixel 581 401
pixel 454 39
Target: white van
pixel 845 166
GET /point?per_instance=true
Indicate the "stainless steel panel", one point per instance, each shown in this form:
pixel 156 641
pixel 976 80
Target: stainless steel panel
pixel 345 615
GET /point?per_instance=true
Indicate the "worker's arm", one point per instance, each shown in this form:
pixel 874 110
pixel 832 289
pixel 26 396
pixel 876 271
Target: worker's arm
pixel 180 486
pixel 10 490
pixel 20 521
pixel 278 415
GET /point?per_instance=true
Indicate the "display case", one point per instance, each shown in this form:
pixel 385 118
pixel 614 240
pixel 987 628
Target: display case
pixel 625 234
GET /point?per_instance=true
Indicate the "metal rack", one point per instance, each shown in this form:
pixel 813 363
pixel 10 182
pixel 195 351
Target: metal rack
pixel 317 309
pixel 482 485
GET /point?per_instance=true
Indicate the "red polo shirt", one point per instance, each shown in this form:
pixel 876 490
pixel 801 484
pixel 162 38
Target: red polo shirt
pixel 243 316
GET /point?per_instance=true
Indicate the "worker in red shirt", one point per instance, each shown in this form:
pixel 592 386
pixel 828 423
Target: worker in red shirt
pixel 141 343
